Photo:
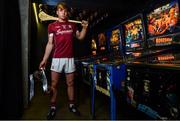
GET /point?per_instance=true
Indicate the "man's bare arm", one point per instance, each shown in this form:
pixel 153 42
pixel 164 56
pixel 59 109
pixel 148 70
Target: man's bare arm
pixel 49 47
pixel 47 53
pixel 81 35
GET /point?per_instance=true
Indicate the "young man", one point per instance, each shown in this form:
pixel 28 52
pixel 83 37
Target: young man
pixel 60 40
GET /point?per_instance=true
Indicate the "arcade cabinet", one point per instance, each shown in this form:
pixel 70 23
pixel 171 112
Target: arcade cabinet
pixel 152 86
pixel 98 51
pixel 109 73
pixel 87 63
pixel 135 53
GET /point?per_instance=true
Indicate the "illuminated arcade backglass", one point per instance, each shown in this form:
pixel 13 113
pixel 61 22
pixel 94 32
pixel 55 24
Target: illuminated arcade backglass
pixel 102 42
pixel 163 32
pixel 115 42
pixel 94 46
pixel 134 37
pixel 102 47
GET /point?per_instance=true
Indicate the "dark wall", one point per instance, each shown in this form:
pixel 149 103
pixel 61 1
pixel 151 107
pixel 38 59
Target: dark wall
pixel 37 43
pixel 11 101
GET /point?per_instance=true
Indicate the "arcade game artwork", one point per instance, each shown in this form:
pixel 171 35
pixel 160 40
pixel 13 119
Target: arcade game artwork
pixel 102 42
pixel 163 25
pixel 163 19
pixel 134 36
pixel 93 46
pixel 115 39
pixel 164 31
pixel 115 43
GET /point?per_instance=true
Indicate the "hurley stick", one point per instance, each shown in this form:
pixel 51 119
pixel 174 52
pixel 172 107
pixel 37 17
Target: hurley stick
pixel 45 17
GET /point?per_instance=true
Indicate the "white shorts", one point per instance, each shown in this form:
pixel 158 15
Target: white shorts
pixel 63 64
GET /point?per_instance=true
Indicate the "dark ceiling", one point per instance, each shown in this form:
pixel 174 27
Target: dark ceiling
pixel 118 8
pixel 104 12
pixel 121 5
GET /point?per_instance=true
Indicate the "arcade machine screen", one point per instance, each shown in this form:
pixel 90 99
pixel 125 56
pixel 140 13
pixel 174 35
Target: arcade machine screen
pixel 163 32
pixel 102 46
pixel 102 43
pixel 93 46
pixel 134 37
pixel 114 39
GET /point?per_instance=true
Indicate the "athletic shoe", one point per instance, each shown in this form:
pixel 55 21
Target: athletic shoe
pixel 51 114
pixel 74 110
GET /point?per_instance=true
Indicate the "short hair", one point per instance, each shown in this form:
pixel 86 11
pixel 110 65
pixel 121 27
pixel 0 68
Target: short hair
pixel 62 5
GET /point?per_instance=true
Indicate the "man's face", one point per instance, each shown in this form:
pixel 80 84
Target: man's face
pixel 62 13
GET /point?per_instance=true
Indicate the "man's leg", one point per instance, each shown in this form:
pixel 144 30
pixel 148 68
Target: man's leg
pixel 53 89
pixel 70 90
pixel 70 86
pixel 54 81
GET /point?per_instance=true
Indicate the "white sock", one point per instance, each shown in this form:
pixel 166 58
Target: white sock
pixel 71 105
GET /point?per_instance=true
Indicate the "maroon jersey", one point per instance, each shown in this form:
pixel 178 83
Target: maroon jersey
pixel 63 33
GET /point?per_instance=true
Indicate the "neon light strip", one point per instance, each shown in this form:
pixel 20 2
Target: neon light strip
pixel 35 12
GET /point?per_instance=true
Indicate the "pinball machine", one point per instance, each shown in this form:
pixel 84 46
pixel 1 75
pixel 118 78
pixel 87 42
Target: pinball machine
pixel 86 64
pixel 133 39
pixel 98 51
pixel 152 82
pixel 109 73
